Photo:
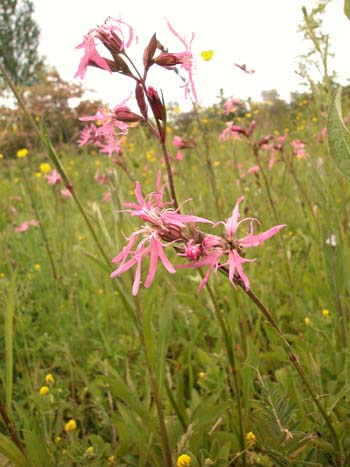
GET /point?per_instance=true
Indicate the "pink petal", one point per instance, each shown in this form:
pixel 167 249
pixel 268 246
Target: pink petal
pixel 256 240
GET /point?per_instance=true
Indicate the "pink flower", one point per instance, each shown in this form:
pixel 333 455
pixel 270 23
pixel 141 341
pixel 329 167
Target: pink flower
pixel 186 60
pixel 25 226
pixel 164 226
pixel 110 146
pixel 181 143
pixel 91 56
pixel 113 36
pixel 106 197
pixel 322 135
pixel 299 149
pixel 109 123
pixel 252 170
pixel 103 179
pixel 66 193
pixel 228 251
pixel 53 178
pixel 231 105
pixel 88 135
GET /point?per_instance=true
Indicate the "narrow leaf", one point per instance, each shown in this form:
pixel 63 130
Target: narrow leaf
pixel 11 452
pixel 347 8
pixel 9 313
pixel 338 136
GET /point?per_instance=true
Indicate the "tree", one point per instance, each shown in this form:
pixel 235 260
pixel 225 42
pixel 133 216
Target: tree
pixel 19 40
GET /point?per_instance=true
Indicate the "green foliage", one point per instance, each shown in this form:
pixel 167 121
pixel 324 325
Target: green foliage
pixel 339 136
pixel 19 39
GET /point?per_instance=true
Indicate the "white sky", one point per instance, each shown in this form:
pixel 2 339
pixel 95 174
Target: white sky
pixel 260 33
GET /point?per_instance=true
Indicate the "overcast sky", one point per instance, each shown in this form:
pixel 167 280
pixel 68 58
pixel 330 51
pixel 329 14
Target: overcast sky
pixel 259 33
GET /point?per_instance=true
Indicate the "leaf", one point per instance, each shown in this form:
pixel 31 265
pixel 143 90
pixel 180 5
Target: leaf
pixel 9 313
pixel 347 8
pixel 339 136
pixel 11 452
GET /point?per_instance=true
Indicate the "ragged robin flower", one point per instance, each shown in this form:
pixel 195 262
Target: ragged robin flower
pixel 164 226
pixel 227 251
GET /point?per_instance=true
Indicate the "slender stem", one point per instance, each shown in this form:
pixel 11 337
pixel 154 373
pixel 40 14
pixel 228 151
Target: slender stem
pixel 41 227
pixel 10 427
pixel 233 372
pixel 266 183
pixel 295 362
pixel 164 439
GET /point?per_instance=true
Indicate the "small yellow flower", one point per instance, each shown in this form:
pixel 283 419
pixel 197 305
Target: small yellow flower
pixel 111 461
pixel 58 439
pixel 22 153
pixel 37 267
pixel 251 439
pixel 89 452
pixel 207 55
pixel 2 275
pixel 248 114
pixel 325 312
pixel 183 461
pixel 202 375
pixel 100 291
pixel 44 390
pixel 307 321
pixel 45 167
pixel 216 163
pixel 38 174
pixel 14 127
pixel 71 425
pixel 1 156
pixel 49 379
pixel 72 163
pixel 97 162
pixel 37 118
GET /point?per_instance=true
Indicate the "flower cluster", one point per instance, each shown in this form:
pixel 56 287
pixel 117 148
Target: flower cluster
pixel 165 226
pixel 117 36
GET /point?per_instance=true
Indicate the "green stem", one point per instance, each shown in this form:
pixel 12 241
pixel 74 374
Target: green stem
pixel 233 372
pixel 295 362
pixel 164 438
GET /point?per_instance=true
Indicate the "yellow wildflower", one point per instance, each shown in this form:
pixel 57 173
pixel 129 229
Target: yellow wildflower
pixel 49 379
pixel 37 267
pixel 207 55
pixel 325 312
pixel 248 114
pixel 38 174
pixel 22 153
pixel 307 321
pixel 1 156
pixel 201 375
pixel 58 439
pixel 2 275
pixel 216 163
pixel 43 390
pixel 251 439
pixel 71 425
pixel 183 461
pixel 111 461
pixel 45 167
pixel 89 452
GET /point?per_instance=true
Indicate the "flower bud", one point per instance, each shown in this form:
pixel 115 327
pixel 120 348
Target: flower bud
pixel 155 103
pixel 124 114
pixel 149 52
pixel 140 98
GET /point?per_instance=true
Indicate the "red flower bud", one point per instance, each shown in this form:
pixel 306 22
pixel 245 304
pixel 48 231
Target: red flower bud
pixel 156 104
pixel 149 52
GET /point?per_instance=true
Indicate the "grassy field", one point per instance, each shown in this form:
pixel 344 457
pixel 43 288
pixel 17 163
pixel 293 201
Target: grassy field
pixel 92 376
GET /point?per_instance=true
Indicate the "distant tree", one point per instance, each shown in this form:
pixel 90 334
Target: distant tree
pixel 19 41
